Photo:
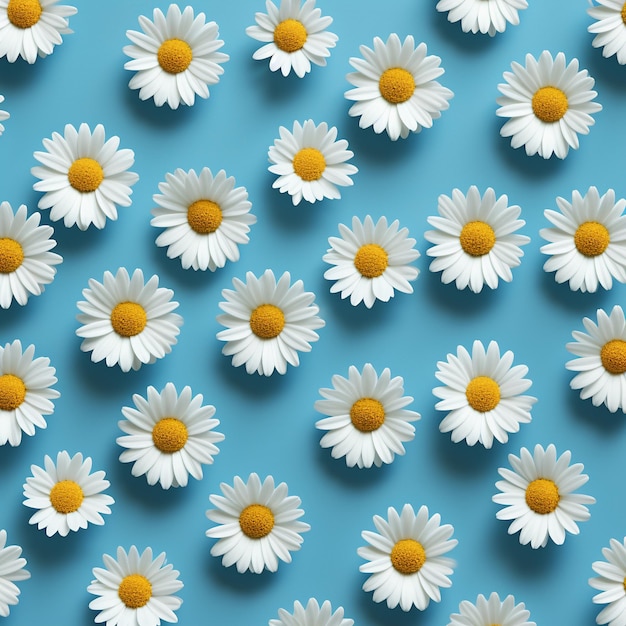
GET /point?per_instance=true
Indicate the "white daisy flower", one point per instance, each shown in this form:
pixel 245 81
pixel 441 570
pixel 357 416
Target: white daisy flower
pixel 31 28
pixel 404 559
pixel 491 611
pixel 84 178
pixel 127 322
pixel 367 422
pixel 268 322
pixel 475 239
pixel 4 115
pixel 311 615
pixel 294 36
pixel 548 104
pixel 175 57
pixel 484 16
pixel 205 218
pixel 601 360
pixel 610 582
pixel 26 263
pixel 67 495
pixel 11 571
pixel 538 496
pixel 609 28
pixel 26 392
pixel 310 162
pixel 587 241
pixel 169 436
pixel 135 589
pixel 257 524
pixel 395 88
pixel 482 395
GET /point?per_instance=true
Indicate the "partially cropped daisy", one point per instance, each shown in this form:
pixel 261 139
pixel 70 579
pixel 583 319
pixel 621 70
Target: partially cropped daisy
pixel 26 263
pixel 294 36
pixel 84 177
pixel 475 241
pixel 601 360
pixel 491 611
pixel 548 104
pixel 587 241
pixel 135 589
pixel 4 115
pixel 405 558
pixel 611 574
pixel 31 28
pixel 268 322
pixel 175 56
pixel 367 422
pixel 482 395
pixel 66 494
pixel 371 261
pixel 609 28
pixel 311 615
pixel 257 524
pixel 169 436
pixel 12 571
pixel 538 496
pixel 484 16
pixel 127 322
pixel 205 217
pixel 26 392
pixel 310 162
pixel 395 88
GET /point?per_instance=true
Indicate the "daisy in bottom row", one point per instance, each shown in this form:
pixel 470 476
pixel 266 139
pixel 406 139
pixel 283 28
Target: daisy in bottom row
pixel 609 581
pixel 311 615
pixel 491 612
pixel 11 571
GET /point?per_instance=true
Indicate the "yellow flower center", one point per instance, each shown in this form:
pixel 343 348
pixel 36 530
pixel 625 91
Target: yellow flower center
pixel 371 260
pixel 11 255
pixel 128 319
pixel 309 164
pixel 174 56
pixel 85 175
pixel 24 13
pixel 613 356
pixel 66 496
pixel 483 394
pixel 135 591
pixel 549 104
pixel 256 521
pixel 624 13
pixel 367 414
pixel 290 35
pixel 408 556
pixel 542 496
pixel 12 392
pixel 169 435
pixel 267 321
pixel 396 85
pixel 204 216
pixel 477 238
pixel 592 238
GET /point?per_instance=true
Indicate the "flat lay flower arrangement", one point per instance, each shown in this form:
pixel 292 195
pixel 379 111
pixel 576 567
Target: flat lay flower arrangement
pixel 312 314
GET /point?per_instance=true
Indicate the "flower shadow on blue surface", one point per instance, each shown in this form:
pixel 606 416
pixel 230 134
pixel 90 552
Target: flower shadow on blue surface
pixel 19 74
pixel 608 72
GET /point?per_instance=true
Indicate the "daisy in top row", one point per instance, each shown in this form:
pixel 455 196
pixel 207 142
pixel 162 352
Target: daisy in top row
pixel 483 16
pixel 609 28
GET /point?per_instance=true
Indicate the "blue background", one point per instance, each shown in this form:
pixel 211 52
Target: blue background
pixel 269 423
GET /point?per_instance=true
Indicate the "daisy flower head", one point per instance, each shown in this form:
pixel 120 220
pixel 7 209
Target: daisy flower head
pixel 4 115
pixel 475 241
pixel 175 56
pixel 135 589
pixel 548 103
pixel 587 241
pixel 294 36
pixel 205 218
pixel 26 261
pixel 395 88
pixel 371 261
pixel 367 420
pixel 538 496
pixel 491 611
pixel 83 176
pixel 66 494
pixel 484 16
pixel 611 574
pixel 31 28
pixel 482 395
pixel 311 615
pixel 609 28
pixel 310 162
pixel 11 571
pixel 257 524
pixel 127 322
pixel 169 436
pixel 268 322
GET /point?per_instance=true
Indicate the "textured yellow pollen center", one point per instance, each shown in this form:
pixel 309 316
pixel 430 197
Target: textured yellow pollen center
pixel 367 414
pixel 290 35
pixel 11 255
pixel 483 394
pixel 542 496
pixel 66 496
pixel 128 319
pixel 624 13
pixel 408 556
pixel 24 13
pixel 204 216
pixel 12 392
pixel 309 164
pixel 85 175
pixel 256 521
pixel 477 238
pixel 371 260
pixel 592 238
pixel 549 104
pixel 174 56
pixel 169 435
pixel 267 321
pixel 396 85
pixel 135 591
pixel 613 356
